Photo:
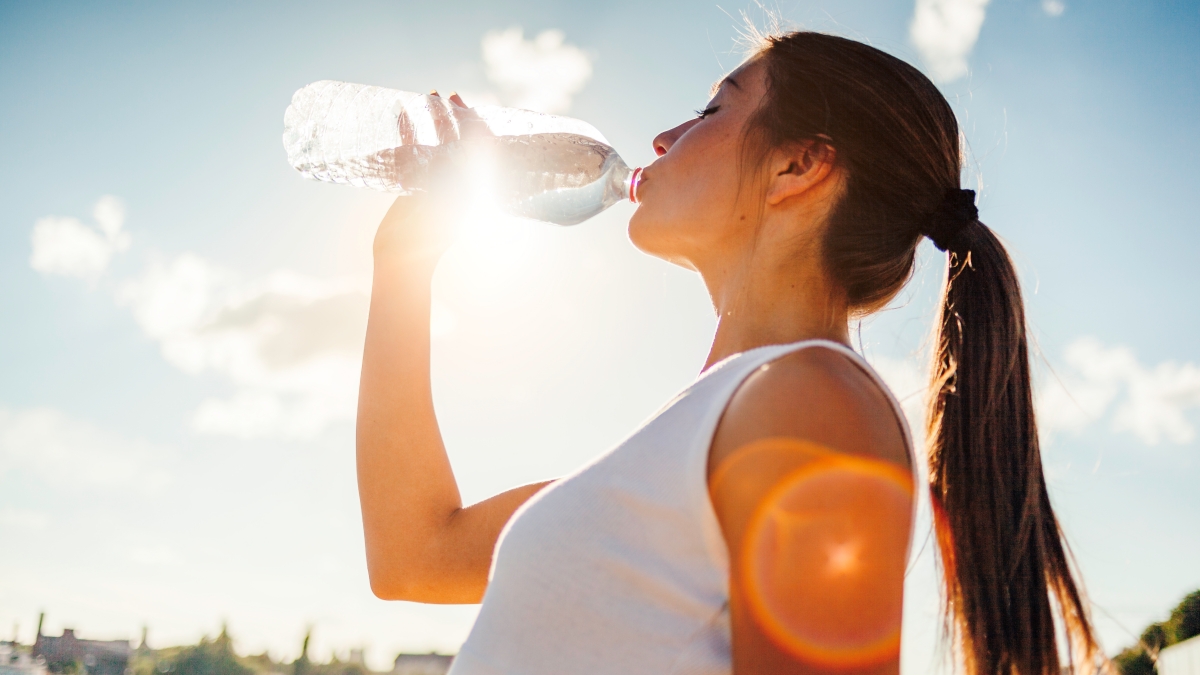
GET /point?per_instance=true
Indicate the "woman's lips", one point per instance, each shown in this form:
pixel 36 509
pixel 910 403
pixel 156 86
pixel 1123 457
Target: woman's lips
pixel 641 184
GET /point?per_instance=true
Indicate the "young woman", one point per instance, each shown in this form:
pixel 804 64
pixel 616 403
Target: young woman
pixel 760 522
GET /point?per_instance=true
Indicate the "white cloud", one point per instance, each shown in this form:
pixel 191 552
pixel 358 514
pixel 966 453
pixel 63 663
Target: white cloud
pixel 1053 7
pixel 1150 402
pixel 540 74
pixel 290 344
pixel 1097 384
pixel 944 32
pixel 67 247
pixel 65 452
pixel 109 213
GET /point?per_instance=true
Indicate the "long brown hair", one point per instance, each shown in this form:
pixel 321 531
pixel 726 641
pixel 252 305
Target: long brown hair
pixel 1007 573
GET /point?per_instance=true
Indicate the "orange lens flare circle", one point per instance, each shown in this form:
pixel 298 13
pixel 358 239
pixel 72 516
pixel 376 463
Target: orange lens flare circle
pixel 823 562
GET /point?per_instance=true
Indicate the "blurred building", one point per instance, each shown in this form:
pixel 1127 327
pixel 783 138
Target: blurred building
pixel 422 664
pixel 98 657
pixel 1182 658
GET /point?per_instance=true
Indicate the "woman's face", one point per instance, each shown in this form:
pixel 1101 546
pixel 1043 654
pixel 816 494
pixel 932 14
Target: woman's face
pixel 690 205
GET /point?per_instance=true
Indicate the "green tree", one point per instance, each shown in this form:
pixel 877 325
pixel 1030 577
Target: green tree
pixel 1134 661
pixel 338 667
pixel 66 667
pixel 1185 618
pixel 302 666
pixel 1183 623
pixel 210 657
pixel 260 663
pixel 1155 637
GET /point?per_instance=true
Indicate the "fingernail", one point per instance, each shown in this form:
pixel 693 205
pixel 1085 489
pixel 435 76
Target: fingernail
pixel 433 92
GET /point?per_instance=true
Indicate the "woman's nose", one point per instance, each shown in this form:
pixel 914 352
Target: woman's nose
pixel 664 141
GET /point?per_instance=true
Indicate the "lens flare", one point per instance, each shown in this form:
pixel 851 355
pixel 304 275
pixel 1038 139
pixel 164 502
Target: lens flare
pixel 491 248
pixel 823 559
pixel 478 176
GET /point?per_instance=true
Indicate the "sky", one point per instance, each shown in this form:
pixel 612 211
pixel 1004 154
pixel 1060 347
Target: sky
pixel 183 313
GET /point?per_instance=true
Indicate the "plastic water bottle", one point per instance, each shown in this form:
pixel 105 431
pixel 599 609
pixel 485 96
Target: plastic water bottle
pixel 550 168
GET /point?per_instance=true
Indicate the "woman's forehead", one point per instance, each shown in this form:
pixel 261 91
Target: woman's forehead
pixel 738 78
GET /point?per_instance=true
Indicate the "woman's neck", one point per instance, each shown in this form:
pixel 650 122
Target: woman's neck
pixel 759 303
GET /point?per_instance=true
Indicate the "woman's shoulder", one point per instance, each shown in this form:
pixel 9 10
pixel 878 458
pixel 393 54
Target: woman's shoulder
pixel 816 395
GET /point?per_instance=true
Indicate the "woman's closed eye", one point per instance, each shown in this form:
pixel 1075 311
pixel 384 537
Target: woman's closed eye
pixel 701 114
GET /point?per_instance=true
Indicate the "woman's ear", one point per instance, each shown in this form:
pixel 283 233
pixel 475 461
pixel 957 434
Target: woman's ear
pixel 797 168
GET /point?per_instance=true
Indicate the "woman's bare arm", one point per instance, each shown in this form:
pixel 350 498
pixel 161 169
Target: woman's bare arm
pixel 422 545
pixel 810 480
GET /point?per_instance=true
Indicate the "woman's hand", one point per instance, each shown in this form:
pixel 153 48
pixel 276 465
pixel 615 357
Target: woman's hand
pixel 418 228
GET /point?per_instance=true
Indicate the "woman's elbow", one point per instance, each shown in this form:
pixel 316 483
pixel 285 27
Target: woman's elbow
pixel 385 587
pixel 391 581
pixel 413 588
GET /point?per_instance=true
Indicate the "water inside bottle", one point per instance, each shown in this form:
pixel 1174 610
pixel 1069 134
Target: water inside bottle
pixel 558 178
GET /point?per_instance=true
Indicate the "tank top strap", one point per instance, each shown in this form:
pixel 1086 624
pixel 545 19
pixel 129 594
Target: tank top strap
pixel 747 362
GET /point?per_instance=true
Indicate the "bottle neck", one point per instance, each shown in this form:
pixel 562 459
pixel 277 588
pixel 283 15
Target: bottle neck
pixel 631 184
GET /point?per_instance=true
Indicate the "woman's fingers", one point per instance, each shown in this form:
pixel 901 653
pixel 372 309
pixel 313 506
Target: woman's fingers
pixel 454 98
pixel 442 113
pixel 454 120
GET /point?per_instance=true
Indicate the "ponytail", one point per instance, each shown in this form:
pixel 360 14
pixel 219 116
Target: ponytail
pixel 1003 556
pixel 1010 590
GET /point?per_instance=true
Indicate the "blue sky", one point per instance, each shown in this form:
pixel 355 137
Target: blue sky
pixel 161 463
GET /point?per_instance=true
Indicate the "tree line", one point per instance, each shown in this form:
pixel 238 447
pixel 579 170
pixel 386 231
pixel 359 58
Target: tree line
pixel 1182 624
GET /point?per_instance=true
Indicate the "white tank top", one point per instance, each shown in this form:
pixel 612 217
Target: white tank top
pixel 621 568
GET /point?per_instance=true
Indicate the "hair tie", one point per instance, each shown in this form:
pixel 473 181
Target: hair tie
pixel 956 211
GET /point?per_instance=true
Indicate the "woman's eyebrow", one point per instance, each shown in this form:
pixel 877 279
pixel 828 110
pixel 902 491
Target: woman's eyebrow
pixel 712 91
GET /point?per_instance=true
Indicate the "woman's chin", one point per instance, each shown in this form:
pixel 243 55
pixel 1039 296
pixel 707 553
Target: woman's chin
pixel 653 238
pixel 642 233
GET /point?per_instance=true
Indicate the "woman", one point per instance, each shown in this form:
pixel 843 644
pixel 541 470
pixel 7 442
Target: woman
pixel 760 522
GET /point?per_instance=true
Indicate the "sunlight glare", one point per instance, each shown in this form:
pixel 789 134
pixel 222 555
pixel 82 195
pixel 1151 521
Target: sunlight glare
pixel 492 246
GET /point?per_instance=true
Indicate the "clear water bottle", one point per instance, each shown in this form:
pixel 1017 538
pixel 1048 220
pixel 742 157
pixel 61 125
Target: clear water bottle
pixel 550 168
